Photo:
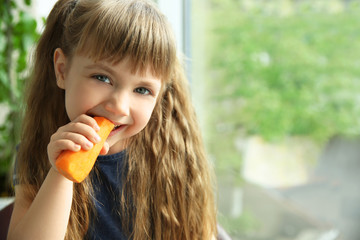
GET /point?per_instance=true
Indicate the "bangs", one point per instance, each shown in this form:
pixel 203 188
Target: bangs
pixel 114 30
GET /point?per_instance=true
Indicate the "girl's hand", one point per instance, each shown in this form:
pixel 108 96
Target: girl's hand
pixel 76 135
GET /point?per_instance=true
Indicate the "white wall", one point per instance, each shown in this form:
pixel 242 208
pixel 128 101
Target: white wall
pixel 174 11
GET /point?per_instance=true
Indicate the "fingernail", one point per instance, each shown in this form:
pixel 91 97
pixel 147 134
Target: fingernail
pixel 97 128
pixel 89 145
pixel 77 147
pixel 97 138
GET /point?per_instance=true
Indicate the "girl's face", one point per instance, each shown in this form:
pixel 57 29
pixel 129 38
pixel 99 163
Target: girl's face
pixel 110 90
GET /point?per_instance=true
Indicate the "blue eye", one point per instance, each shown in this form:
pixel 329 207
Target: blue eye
pixel 143 91
pixel 102 78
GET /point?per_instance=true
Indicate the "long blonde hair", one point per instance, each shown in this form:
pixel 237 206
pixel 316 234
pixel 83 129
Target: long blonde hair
pixel 168 180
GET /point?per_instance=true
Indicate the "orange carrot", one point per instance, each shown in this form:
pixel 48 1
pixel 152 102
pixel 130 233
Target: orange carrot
pixel 77 165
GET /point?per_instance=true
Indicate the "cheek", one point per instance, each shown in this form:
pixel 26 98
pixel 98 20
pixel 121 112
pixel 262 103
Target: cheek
pixel 146 115
pixel 143 115
pixel 78 101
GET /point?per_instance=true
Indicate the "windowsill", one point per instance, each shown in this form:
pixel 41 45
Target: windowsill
pixel 4 201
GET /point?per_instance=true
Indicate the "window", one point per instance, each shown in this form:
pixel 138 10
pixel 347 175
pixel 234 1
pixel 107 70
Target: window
pixel 277 84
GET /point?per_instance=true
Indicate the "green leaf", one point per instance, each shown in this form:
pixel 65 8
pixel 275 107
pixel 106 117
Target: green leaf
pixel 27 2
pixel 19 42
pixel 4 77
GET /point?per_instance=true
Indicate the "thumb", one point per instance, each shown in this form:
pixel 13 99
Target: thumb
pixel 105 149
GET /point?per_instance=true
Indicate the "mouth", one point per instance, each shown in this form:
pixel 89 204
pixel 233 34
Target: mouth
pixel 116 127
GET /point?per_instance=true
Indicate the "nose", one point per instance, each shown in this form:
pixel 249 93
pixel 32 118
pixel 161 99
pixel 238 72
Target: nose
pixel 119 103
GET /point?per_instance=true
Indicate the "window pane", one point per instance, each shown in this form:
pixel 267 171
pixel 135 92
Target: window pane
pixel 276 84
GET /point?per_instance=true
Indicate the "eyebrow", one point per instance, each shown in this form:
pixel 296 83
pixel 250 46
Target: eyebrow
pixel 151 83
pixel 145 81
pixel 102 66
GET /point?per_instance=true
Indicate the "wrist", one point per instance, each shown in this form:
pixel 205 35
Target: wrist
pixel 54 172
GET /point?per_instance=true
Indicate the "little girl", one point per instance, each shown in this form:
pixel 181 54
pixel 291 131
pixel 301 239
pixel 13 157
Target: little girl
pixel 116 59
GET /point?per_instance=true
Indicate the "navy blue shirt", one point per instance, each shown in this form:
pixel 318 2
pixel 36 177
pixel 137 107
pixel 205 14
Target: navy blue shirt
pixel 107 181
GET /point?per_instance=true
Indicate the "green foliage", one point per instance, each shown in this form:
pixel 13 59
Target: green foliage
pixel 276 69
pixel 17 36
pixel 278 75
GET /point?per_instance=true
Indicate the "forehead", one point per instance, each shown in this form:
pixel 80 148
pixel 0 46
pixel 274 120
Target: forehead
pixel 117 30
pixel 86 62
pixel 137 64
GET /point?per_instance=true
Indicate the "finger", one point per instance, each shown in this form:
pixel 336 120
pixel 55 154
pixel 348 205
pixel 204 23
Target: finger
pixel 88 121
pixel 65 144
pixel 105 149
pixel 81 129
pixel 56 147
pixel 77 139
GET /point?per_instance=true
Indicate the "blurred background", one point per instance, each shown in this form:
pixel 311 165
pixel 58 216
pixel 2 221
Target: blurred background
pixel 276 85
